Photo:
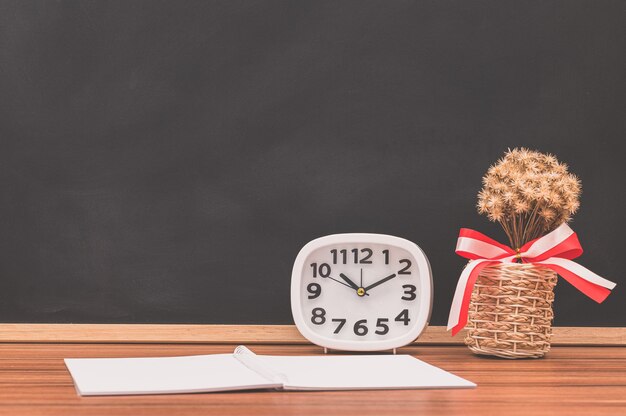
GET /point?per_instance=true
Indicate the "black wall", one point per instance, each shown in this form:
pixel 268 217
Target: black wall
pixel 165 161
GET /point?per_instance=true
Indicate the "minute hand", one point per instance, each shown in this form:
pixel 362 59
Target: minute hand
pixel 380 282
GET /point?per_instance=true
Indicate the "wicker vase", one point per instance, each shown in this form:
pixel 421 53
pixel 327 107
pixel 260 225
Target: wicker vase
pixel 510 313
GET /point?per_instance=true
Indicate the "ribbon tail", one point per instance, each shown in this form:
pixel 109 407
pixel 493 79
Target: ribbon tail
pixel 583 279
pixel 463 293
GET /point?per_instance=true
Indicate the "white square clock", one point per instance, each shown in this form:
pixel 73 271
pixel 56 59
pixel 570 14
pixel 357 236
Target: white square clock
pixel 361 292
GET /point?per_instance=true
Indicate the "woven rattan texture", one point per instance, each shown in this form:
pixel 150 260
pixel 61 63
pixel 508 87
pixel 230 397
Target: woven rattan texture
pixel 510 312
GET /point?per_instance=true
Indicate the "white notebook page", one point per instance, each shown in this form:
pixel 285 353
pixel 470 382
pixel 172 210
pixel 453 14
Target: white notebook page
pixel 356 372
pixel 200 373
pixel 246 370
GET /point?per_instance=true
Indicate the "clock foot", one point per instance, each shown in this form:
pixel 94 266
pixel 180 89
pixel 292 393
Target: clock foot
pixel 394 351
pixel 325 350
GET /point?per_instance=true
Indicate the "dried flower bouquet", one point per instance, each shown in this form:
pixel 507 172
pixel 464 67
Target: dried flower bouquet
pixel 505 294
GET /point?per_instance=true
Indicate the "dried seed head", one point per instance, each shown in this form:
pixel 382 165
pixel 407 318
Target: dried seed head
pixel 529 187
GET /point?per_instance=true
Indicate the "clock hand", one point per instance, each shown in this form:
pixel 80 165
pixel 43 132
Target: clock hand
pixel 338 281
pixel 380 282
pixel 346 285
pixel 350 282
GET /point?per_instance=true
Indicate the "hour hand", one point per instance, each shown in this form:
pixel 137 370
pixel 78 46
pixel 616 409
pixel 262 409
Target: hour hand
pixel 348 281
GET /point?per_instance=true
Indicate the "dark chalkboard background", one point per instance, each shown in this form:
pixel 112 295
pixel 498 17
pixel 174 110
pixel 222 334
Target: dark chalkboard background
pixel 165 161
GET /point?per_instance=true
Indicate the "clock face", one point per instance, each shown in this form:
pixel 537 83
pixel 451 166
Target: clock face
pixel 361 291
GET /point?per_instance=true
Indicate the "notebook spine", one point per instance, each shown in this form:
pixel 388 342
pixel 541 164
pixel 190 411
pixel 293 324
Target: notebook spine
pixel 250 360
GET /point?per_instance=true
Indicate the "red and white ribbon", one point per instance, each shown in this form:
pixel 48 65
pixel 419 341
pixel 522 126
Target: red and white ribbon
pixel 554 250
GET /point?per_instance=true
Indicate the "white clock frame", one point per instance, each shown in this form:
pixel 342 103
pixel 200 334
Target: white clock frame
pixel 424 301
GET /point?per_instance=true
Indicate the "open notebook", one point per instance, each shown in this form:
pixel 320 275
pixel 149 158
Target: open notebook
pixel 244 370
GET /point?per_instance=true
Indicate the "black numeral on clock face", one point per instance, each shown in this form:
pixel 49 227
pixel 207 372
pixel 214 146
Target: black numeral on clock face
pixel 323 270
pixel 342 322
pixel 407 266
pixel 314 289
pixel 343 253
pixel 381 323
pixel 319 316
pixel 366 259
pixel 409 292
pixel 386 254
pixel 403 317
pixel 359 327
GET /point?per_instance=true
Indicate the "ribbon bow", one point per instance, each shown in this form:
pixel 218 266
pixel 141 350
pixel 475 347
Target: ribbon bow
pixel 554 250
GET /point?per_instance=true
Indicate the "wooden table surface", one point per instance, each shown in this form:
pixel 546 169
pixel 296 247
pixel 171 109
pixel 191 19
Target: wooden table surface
pixel 569 381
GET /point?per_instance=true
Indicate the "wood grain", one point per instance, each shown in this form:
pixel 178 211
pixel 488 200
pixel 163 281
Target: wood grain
pixel 569 381
pixel 252 334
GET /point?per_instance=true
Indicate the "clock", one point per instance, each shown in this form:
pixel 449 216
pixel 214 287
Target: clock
pixel 361 292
